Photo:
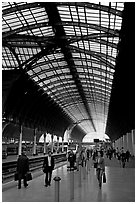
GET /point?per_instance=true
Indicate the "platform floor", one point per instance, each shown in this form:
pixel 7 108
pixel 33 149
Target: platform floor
pixel 120 186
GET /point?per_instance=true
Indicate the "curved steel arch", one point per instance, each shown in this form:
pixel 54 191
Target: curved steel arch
pixel 93 28
pixel 93 6
pixel 72 126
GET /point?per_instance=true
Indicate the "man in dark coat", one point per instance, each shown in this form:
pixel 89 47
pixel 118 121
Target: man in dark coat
pixel 48 166
pixel 22 169
pixel 71 159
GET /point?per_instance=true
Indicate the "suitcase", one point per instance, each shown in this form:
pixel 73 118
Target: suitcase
pixel 28 176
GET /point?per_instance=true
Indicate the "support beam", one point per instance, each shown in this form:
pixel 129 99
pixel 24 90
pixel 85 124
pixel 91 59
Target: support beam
pixel 44 143
pixel 20 141
pixel 133 141
pixel 62 144
pixel 58 29
pixel 52 144
pixel 129 147
pixel 125 142
pixel 34 144
pixel 57 144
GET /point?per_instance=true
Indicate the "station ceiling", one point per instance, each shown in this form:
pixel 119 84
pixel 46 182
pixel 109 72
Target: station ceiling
pixel 61 65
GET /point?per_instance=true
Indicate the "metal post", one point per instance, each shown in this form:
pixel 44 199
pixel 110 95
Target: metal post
pixel 52 148
pixel 57 144
pixel 44 143
pixel 62 144
pixel 125 142
pixel 133 141
pixel 57 180
pixel 20 141
pixel 130 147
pixel 34 145
pixel 71 185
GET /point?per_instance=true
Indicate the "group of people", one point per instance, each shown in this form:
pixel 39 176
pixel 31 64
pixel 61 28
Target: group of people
pixel 23 169
pixel 82 156
pixel 120 154
pixel 79 158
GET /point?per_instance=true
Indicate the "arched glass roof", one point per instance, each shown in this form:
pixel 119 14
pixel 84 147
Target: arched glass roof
pixel 69 49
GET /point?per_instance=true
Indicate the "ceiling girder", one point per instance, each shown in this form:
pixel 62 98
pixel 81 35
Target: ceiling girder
pixel 92 6
pixel 19 8
pixel 12 50
pixel 16 39
pixel 59 31
pixel 96 55
pixel 90 26
pixel 24 28
pixel 93 39
pixel 37 4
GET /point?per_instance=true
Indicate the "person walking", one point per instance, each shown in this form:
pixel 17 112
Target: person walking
pixel 127 155
pixel 123 157
pixel 77 159
pixel 100 167
pixel 48 166
pixel 22 169
pixel 83 158
pixel 71 159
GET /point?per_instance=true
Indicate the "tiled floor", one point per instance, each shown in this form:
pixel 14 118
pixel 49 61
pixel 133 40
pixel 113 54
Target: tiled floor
pixel 120 187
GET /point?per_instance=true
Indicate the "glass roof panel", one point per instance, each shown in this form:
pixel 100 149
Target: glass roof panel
pixel 71 56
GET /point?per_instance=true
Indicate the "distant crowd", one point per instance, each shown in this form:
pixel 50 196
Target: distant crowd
pixel 82 155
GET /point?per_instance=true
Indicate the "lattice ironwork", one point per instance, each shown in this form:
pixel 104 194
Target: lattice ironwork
pixel 69 49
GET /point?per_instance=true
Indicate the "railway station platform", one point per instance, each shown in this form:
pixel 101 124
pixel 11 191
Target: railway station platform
pixel 120 185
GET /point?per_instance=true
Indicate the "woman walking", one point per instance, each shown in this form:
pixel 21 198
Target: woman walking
pixel 100 168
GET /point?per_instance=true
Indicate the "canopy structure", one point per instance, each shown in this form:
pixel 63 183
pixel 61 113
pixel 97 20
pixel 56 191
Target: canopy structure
pixel 59 62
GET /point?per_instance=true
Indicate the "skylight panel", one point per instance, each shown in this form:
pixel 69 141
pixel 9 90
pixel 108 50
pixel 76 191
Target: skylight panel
pixel 47 31
pixel 63 63
pixel 12 22
pixel 78 62
pixel 82 18
pixel 95 64
pixel 104 15
pixel 76 55
pixel 9 58
pixel 77 30
pixel 54 64
pixel 96 72
pixel 110 70
pixel 36 78
pixel 30 72
pixel 69 29
pixel 39 14
pixel 64 13
pixel 37 69
pixel 65 17
pixel 41 76
pixel 66 70
pixel 103 74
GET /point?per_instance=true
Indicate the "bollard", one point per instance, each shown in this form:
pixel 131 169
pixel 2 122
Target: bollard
pixel 71 185
pixel 57 179
pixel 79 176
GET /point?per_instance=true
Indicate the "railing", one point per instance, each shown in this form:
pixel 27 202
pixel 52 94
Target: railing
pixel 9 168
